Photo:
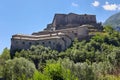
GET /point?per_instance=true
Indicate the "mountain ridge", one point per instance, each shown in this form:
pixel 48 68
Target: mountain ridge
pixel 113 20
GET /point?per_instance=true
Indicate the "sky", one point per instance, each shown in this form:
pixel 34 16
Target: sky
pixel 28 16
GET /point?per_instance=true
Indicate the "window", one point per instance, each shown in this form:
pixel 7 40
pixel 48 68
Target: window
pixel 43 43
pixel 49 42
pixel 23 42
pixel 62 38
pixel 37 43
pixel 76 34
pixel 30 43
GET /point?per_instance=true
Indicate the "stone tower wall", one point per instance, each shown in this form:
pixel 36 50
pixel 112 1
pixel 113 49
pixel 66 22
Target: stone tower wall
pixel 62 21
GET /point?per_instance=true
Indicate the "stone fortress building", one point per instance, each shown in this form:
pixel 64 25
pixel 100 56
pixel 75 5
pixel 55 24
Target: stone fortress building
pixel 60 34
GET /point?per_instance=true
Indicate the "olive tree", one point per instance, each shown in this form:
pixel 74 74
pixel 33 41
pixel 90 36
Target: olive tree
pixel 18 69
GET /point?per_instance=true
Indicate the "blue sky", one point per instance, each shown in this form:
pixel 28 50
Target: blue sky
pixel 27 16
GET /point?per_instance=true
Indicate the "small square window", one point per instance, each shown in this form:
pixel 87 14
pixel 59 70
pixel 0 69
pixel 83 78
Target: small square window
pixel 49 42
pixel 43 43
pixel 30 43
pixel 23 42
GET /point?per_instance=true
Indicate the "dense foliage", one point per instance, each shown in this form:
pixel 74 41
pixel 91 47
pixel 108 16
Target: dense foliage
pixel 96 59
pixel 18 68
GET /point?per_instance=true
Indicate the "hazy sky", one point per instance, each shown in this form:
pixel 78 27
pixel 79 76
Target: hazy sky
pixel 27 16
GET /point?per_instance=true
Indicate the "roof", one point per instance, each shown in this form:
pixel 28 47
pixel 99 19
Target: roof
pixel 37 37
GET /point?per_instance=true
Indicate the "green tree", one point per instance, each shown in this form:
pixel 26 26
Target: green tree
pixel 108 29
pixel 4 57
pixel 39 76
pixel 38 54
pixel 57 72
pixel 5 54
pixel 18 68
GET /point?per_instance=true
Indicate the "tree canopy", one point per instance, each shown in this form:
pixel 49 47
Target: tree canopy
pixel 96 59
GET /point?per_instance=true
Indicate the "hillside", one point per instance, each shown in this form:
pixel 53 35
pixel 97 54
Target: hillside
pixel 113 20
pixel 97 59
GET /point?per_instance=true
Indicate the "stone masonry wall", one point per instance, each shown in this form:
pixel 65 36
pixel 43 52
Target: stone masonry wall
pixel 62 21
pixel 59 40
pixel 60 34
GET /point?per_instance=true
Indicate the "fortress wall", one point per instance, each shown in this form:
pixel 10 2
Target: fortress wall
pixel 67 41
pixel 69 31
pixel 88 18
pixel 60 33
pixel 56 43
pixel 59 19
pixel 82 31
pixel 40 33
pixel 62 21
pixel 38 37
pixel 71 18
pixel 77 32
pixel 17 44
pixel 60 40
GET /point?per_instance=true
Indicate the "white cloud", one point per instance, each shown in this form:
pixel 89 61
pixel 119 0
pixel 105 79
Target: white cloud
pixel 106 2
pixel 96 3
pixel 75 5
pixel 111 7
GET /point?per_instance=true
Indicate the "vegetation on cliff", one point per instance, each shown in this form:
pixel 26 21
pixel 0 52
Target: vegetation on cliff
pixel 96 59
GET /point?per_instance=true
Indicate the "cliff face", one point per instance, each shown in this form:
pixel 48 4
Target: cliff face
pixel 62 21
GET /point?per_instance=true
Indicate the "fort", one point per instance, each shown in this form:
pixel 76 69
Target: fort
pixel 60 34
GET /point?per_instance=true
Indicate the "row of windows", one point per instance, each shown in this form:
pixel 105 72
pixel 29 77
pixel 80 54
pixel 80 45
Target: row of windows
pixel 86 17
pixel 36 43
